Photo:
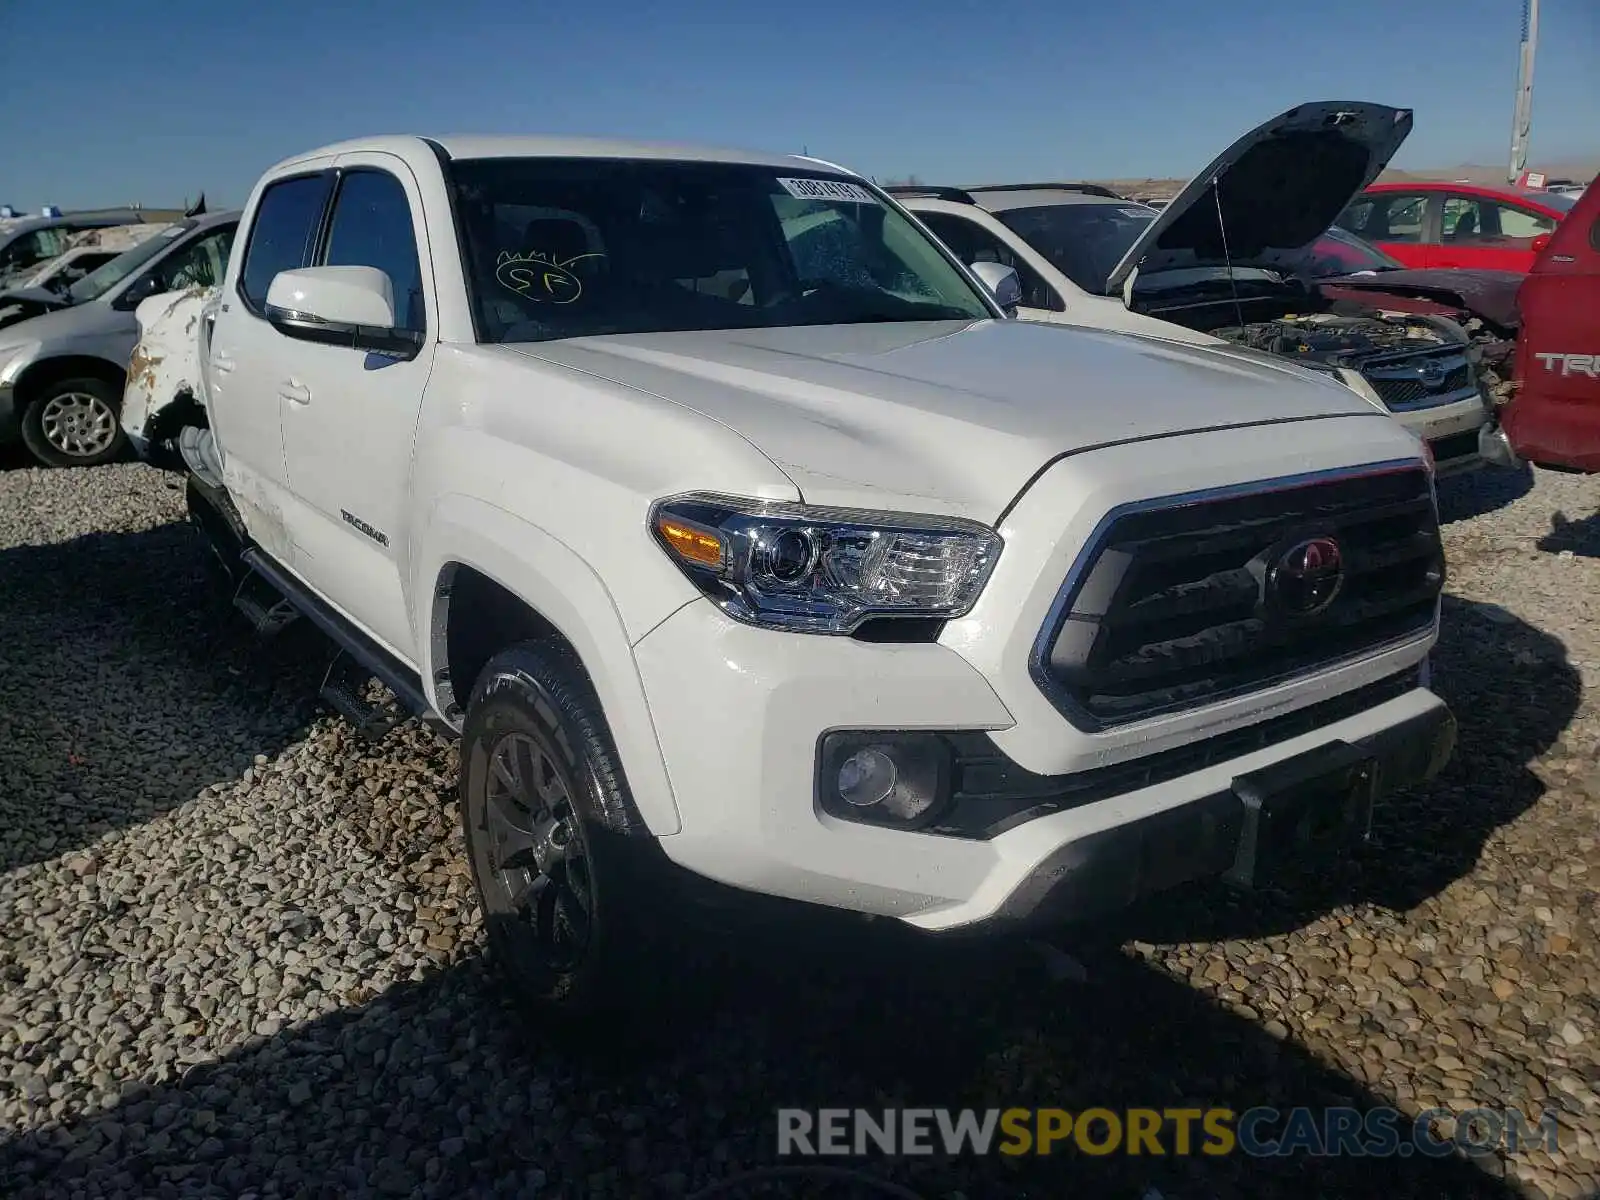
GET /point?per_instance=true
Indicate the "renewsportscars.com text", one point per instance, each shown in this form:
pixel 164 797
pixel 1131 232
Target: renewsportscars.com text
pixel 1258 1132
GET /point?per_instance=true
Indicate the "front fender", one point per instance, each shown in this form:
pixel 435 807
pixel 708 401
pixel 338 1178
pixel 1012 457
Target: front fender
pixel 528 562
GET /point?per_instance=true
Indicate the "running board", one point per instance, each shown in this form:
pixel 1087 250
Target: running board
pixel 264 607
pixel 343 688
pixel 385 667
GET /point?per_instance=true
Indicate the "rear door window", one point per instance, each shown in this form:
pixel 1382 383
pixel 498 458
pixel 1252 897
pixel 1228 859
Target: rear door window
pixel 1523 223
pixel 1479 221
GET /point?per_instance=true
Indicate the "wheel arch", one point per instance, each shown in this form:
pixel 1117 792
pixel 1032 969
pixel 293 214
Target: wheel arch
pixel 42 372
pixel 478 595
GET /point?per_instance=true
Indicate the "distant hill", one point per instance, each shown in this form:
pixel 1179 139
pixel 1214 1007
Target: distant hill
pixel 1583 170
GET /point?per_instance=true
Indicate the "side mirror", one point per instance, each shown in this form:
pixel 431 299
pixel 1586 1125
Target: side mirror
pixel 340 306
pixel 140 290
pixel 1540 243
pixel 1002 281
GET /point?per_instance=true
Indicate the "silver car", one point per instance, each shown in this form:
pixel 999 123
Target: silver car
pixel 62 372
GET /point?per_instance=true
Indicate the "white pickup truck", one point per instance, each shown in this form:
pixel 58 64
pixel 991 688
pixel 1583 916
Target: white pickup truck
pixel 732 525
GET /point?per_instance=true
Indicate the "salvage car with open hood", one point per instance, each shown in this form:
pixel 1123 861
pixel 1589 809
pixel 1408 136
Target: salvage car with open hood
pixel 1228 260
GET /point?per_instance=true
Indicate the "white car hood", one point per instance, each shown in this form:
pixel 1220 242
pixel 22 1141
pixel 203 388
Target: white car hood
pixel 955 417
pixel 1279 187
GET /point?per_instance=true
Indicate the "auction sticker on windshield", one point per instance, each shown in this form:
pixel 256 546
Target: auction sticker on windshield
pixel 828 189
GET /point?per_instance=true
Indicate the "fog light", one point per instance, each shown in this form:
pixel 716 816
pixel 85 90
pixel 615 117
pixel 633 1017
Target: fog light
pixel 867 777
pixel 884 779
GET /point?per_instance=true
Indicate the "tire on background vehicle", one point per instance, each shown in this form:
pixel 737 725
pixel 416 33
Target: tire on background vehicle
pixel 536 697
pixel 96 397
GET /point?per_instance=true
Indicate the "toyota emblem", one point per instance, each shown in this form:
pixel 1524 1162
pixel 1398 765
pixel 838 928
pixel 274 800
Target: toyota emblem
pixel 1307 577
pixel 1432 373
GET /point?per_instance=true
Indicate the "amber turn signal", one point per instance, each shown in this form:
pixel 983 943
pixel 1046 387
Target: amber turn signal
pixel 690 542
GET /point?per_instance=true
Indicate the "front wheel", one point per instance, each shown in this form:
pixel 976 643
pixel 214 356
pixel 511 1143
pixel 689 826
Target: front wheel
pixel 74 424
pixel 559 857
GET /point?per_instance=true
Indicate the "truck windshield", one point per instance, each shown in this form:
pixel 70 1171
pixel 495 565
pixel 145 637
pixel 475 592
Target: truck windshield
pixel 570 247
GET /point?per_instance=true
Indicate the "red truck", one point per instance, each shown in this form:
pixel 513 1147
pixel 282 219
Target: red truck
pixel 1554 419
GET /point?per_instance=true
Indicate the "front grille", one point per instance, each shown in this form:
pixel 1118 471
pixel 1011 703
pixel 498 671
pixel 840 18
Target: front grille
pixel 1191 600
pixel 993 794
pixel 1420 381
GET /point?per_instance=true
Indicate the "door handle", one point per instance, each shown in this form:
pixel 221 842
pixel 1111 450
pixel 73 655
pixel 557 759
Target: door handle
pixel 295 393
pixel 221 362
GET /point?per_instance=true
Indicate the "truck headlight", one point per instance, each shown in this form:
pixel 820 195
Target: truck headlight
pixel 823 570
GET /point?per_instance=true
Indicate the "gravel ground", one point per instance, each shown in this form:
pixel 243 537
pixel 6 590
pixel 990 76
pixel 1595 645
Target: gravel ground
pixel 240 956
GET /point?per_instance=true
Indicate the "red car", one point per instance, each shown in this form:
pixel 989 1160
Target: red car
pixel 1439 224
pixel 1555 418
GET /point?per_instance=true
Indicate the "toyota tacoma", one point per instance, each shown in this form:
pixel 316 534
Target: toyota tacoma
pixel 798 565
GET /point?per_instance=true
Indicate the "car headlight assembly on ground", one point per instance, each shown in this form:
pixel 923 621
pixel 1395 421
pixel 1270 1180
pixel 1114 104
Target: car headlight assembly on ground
pixel 823 570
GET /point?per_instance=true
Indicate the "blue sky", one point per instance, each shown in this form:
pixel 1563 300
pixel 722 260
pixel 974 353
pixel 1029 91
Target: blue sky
pixel 171 96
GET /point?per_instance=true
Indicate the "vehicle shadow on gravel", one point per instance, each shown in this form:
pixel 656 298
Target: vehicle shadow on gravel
pixel 1476 493
pixel 437 1089
pixel 1513 693
pixel 127 685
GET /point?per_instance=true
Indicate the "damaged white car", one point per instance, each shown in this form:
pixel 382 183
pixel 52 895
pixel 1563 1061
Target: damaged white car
pixel 1227 262
pixel 163 405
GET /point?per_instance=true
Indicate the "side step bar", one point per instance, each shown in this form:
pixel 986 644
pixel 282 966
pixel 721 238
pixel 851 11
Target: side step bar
pixel 400 679
pixel 343 687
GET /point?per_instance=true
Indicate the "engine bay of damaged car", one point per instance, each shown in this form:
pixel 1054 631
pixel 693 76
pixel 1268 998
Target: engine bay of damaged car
pixel 1290 316
pixel 1235 253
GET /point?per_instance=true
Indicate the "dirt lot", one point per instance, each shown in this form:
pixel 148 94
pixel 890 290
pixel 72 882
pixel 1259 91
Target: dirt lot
pixel 239 955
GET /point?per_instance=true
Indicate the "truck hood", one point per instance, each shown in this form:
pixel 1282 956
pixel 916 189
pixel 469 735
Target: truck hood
pixel 953 417
pixel 1279 187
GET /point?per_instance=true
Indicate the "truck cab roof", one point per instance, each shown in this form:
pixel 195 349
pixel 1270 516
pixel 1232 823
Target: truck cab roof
pixel 479 146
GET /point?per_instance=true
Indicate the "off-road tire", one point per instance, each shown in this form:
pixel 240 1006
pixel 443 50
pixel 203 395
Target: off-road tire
pixel 40 445
pixel 540 693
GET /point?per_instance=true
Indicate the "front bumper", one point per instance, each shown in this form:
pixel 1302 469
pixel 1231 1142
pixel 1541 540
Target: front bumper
pixel 1202 838
pixel 1453 431
pixel 739 713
